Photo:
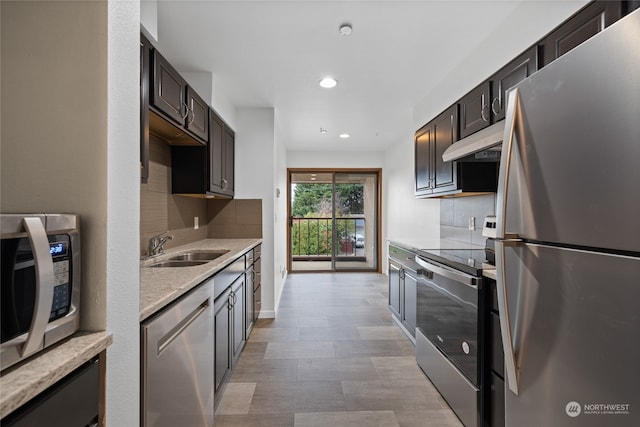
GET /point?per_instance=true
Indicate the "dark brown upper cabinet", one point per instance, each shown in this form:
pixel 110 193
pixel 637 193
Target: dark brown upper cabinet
pixel 177 114
pixel 197 115
pixel 475 109
pixel 423 159
pixel 445 133
pixel 432 174
pixel 437 178
pixel 586 23
pixel 169 90
pixel 205 171
pixel 514 72
pixel 222 144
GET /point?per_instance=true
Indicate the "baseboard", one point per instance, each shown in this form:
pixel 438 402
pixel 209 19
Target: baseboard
pixel 267 314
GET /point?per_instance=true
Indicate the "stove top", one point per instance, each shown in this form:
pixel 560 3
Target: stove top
pixel 467 259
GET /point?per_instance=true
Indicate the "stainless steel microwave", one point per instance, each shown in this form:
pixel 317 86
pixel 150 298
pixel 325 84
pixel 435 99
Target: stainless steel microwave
pixel 40 282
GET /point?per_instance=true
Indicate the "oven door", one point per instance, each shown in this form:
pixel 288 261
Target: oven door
pixel 447 301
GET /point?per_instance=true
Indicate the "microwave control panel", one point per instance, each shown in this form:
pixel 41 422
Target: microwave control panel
pixel 59 249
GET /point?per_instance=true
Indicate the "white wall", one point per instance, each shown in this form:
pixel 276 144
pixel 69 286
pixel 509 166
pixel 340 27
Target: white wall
pixel 255 179
pixel 123 214
pixel 70 138
pixel 280 216
pixel 335 159
pixel 407 219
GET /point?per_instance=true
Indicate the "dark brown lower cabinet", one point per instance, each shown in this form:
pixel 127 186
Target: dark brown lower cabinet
pixel 223 321
pixel 72 401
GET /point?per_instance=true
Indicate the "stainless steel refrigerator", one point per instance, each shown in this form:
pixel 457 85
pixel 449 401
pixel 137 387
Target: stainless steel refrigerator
pixel 568 247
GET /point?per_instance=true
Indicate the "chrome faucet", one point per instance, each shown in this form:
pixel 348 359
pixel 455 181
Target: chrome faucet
pixel 156 244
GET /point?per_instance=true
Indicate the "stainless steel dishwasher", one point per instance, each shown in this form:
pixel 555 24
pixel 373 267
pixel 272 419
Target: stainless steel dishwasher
pixel 177 362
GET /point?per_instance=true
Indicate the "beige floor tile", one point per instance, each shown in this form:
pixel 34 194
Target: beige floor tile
pixel 300 350
pixel 428 418
pixel 380 333
pixel 331 369
pixel 236 399
pixel 347 419
pixel 402 368
pixel 391 395
pixel 257 420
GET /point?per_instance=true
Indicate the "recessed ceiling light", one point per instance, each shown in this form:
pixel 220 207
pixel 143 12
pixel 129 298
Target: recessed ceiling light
pixel 344 135
pixel 328 82
pixel 322 130
pixel 345 29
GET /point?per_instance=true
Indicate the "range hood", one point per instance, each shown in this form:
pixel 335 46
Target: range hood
pixel 483 145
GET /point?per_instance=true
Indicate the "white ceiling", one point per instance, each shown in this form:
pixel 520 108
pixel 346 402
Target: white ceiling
pixel 273 53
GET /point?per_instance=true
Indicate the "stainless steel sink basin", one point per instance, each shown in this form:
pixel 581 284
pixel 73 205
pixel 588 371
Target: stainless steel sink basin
pixel 198 256
pixel 178 263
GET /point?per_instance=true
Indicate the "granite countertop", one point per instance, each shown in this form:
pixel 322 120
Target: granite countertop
pixel 162 285
pixel 21 383
pixel 489 271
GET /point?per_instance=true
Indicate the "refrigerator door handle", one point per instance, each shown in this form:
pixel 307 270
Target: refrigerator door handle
pixel 503 307
pixel 512 115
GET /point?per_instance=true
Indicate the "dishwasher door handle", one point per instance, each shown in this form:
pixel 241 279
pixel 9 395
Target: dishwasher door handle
pixel 183 324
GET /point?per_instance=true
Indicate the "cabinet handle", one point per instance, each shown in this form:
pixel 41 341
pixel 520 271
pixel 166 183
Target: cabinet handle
pixel 224 183
pixel 495 110
pixel 193 116
pixel 186 111
pixel 484 107
pixel 230 303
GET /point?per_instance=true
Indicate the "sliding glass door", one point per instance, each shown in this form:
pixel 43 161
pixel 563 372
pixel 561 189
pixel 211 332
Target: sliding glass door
pixel 333 220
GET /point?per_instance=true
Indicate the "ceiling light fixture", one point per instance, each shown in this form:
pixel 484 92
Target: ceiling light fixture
pixel 322 130
pixel 328 82
pixel 344 135
pixel 345 29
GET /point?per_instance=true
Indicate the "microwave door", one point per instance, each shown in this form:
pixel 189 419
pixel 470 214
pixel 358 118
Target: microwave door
pixel 44 284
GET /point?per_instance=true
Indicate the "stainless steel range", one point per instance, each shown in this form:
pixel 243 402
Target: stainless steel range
pixel 449 292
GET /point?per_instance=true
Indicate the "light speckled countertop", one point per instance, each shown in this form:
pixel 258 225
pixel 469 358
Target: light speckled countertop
pixel 489 271
pixel 23 382
pixel 160 286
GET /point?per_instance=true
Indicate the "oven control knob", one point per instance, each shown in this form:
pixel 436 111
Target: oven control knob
pixel 465 347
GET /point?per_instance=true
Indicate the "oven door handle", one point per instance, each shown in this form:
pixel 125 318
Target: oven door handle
pixel 44 284
pixel 456 275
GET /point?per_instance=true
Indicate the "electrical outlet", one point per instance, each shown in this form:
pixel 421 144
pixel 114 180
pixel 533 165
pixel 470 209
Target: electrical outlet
pixel 472 223
pixel 196 222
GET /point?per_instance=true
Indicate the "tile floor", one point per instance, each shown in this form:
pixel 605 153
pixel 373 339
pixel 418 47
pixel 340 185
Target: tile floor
pixel 332 357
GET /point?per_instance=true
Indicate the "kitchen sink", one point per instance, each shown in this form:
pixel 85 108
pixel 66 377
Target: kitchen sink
pixel 198 256
pixel 178 263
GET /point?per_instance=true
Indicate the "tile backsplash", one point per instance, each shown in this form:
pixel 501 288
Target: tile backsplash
pixel 455 214
pixel 235 218
pixel 163 212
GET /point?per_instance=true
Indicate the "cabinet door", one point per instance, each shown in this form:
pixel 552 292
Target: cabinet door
pixel 445 132
pixel 145 74
pixel 197 115
pixel 515 71
pixel 423 158
pixel 222 348
pixel 395 274
pixel 216 127
pixel 168 90
pixel 409 302
pixel 248 298
pixel 229 159
pixel 257 302
pixel 475 110
pixel 238 309
pixel 580 27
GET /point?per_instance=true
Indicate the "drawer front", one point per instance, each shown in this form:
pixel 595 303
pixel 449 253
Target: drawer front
pixel 497 401
pixel 223 279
